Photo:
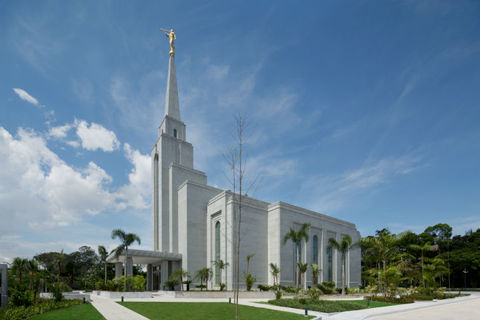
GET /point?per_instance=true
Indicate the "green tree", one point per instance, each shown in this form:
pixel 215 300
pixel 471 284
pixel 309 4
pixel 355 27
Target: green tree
pixel 422 248
pixel 103 253
pixel 302 268
pixel 344 246
pixel 126 240
pixel 203 275
pixel 315 272
pixel 296 236
pixel 179 274
pixel 221 265
pixel 275 272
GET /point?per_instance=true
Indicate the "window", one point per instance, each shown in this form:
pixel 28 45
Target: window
pixel 330 264
pixel 217 252
pixel 315 249
pixel 175 133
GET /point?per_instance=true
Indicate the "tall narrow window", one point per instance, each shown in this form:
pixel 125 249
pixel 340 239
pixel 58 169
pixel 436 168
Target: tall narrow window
pixel 330 264
pixel 175 133
pixel 315 250
pixel 218 279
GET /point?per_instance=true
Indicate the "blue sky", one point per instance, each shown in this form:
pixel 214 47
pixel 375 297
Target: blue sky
pixel 363 110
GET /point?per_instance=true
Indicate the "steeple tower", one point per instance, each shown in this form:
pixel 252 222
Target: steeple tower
pixel 172 107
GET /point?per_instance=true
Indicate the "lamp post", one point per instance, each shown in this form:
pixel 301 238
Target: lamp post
pixel 465 279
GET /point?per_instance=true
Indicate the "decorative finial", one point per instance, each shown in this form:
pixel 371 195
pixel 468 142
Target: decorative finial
pixel 172 36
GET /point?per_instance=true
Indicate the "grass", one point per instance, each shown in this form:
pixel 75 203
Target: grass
pixel 328 306
pixel 80 312
pixel 209 310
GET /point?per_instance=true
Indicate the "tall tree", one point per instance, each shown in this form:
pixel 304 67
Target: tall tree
pixel 126 240
pixel 296 236
pixel 103 253
pixel 422 248
pixel 302 268
pixel 344 246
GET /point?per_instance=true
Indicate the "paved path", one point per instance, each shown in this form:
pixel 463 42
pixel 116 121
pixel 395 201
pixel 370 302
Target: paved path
pixel 113 311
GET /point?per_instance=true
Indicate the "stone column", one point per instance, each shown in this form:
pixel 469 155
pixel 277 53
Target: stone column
pixel 118 269
pixel 129 267
pixel 149 277
pixel 3 285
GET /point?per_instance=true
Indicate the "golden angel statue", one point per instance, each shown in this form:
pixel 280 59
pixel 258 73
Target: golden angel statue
pixel 172 36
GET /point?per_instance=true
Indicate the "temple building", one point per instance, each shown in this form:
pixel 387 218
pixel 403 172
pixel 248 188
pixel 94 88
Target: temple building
pixel 192 222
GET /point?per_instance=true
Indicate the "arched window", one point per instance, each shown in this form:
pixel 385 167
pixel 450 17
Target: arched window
pixel 175 133
pixel 330 264
pixel 218 279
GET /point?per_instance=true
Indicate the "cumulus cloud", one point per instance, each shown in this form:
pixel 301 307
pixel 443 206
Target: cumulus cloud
pixel 137 193
pixel 38 189
pixel 59 131
pixel 96 136
pixel 24 95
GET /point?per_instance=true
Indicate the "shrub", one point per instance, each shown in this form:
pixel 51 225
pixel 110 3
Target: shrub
pixel 326 287
pixel 21 297
pixel 201 286
pixel 318 305
pixel 57 293
pixel 249 281
pixel 171 284
pixel 278 295
pixel 289 289
pixel 314 293
pixel 222 286
pixel 401 300
pixel 263 287
pixel 139 283
pixel 19 313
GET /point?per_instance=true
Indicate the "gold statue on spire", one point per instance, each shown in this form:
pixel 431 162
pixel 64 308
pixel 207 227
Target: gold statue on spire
pixel 172 36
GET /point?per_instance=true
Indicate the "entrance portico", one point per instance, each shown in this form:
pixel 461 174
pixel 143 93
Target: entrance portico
pixel 159 265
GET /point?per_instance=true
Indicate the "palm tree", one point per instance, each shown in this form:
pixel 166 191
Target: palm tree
pixel 59 264
pixel 126 240
pixel 275 272
pixel 32 267
pixel 179 274
pixel 249 257
pixel 103 258
pixel 315 271
pixel 425 247
pixel 297 237
pixel 203 274
pixel 220 264
pixel 303 267
pixel 19 266
pixel 344 246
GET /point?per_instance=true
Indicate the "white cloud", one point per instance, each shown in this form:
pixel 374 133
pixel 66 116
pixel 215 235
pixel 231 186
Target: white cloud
pixel 137 193
pixel 24 95
pixel 59 131
pixel 95 136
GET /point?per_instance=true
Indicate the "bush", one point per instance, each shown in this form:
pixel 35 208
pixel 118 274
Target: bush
pixel 314 293
pixel 401 300
pixel 289 289
pixel 171 284
pixel 57 293
pixel 201 286
pixel 326 287
pixel 21 297
pixel 263 287
pixel 249 281
pixel 139 283
pixel 278 295
pixel 222 286
pixel 22 312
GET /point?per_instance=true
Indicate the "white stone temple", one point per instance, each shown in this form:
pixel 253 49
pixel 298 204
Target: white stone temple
pixel 192 222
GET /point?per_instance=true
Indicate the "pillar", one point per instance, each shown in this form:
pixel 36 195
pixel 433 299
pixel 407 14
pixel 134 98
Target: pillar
pixel 164 274
pixel 149 277
pixel 118 269
pixel 3 285
pixel 129 267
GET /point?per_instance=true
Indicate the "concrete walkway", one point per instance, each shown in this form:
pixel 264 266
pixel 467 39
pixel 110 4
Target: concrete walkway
pixel 111 310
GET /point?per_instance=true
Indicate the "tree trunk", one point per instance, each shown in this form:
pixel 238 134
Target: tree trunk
pixel 343 275
pixel 105 267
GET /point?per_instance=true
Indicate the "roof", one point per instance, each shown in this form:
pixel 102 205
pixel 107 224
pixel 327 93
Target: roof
pixel 145 256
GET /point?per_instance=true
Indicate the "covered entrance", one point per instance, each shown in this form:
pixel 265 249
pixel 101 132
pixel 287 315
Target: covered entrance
pixel 159 265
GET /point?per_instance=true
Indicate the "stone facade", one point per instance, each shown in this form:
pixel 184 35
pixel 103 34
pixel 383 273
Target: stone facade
pixel 194 220
pixel 3 285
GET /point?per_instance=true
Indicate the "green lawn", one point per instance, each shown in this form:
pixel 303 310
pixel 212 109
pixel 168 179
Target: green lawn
pixel 80 312
pixel 201 311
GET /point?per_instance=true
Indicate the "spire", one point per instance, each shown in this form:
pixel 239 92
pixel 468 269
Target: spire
pixel 172 107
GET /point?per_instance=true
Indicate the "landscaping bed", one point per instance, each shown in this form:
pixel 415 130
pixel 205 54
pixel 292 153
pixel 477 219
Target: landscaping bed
pixel 327 306
pixel 78 312
pixel 201 311
pixel 41 307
